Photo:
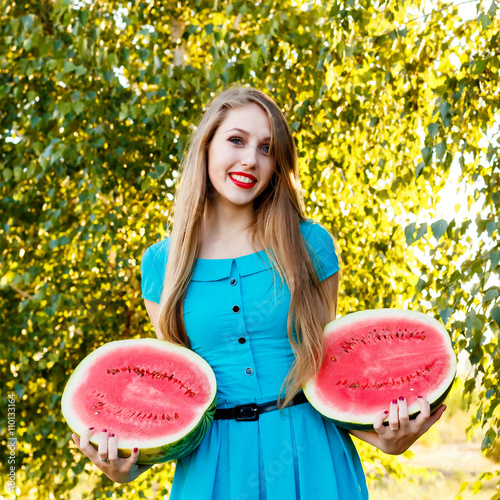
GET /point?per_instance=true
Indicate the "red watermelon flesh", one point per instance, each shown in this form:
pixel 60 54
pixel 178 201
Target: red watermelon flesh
pixel 375 356
pixel 152 394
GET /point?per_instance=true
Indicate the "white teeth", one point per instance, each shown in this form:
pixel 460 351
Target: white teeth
pixel 241 178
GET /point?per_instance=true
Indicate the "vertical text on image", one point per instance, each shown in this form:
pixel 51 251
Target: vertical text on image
pixel 11 443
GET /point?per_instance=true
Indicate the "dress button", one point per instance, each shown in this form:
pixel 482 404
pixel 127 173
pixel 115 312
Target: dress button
pixel 249 371
pixel 232 282
pixel 242 340
pixel 236 309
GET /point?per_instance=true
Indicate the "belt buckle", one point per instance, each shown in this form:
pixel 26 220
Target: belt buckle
pixel 246 413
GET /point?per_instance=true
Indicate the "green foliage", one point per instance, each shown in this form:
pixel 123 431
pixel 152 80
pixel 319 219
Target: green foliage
pixel 96 105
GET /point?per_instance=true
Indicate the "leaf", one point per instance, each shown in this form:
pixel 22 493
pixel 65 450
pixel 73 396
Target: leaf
pixel 80 70
pixel 445 315
pixel 463 486
pixel 480 66
pixel 433 129
pixel 427 155
pixel 477 486
pixel 495 315
pixel 7 174
pixel 440 150
pixel 124 111
pixel 68 67
pixel 485 20
pixel 143 54
pixel 495 259
pixel 409 232
pixel 78 106
pixel 421 231
pixel 419 168
pixel 444 109
pixel 488 440
pixel 490 295
pixel 438 228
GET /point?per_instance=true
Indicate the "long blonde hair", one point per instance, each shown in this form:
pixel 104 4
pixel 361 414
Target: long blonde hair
pixel 276 226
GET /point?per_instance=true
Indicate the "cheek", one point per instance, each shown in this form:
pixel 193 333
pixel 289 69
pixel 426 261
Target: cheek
pixel 270 171
pixel 211 164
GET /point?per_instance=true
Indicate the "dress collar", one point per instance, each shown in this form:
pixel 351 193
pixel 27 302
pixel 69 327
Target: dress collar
pixel 218 269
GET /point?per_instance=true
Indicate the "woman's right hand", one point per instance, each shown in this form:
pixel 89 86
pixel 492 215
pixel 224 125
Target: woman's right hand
pixel 120 470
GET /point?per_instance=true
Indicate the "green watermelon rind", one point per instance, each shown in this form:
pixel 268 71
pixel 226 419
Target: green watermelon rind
pixel 353 426
pixel 177 449
pixel 147 454
pixel 414 409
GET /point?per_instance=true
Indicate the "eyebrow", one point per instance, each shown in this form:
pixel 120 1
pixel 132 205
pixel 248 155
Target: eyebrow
pixel 246 133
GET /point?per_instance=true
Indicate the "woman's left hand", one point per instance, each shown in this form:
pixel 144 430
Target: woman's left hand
pixel 402 432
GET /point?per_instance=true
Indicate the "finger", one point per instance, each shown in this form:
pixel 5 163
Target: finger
pixel 112 448
pixel 76 439
pixel 425 410
pixel 393 416
pixel 133 462
pixel 84 439
pixel 378 423
pixel 102 447
pixel 404 418
pixel 133 457
pixel 436 415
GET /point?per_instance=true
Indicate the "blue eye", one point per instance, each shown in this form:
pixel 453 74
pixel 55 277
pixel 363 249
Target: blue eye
pixel 236 140
pixel 265 149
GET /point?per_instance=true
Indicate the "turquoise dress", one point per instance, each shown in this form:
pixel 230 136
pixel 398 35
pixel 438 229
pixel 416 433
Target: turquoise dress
pixel 235 313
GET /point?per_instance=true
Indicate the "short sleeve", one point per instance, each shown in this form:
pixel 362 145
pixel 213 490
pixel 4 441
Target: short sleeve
pixel 321 247
pixel 153 266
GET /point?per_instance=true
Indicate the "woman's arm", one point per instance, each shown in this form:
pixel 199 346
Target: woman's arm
pixel 395 442
pixel 330 288
pixel 153 310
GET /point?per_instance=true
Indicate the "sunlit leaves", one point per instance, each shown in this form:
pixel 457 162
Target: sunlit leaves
pixel 438 228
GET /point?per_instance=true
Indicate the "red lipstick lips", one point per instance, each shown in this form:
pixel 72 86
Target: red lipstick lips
pixel 241 184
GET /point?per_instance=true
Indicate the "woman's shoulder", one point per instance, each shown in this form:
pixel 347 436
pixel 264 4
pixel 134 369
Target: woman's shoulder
pixel 161 246
pixel 321 247
pixel 313 231
pixel 153 265
pixel 156 256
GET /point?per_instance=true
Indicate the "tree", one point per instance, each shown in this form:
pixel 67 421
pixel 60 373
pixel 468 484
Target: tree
pixel 96 104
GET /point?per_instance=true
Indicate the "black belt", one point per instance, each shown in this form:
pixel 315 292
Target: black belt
pixel 249 412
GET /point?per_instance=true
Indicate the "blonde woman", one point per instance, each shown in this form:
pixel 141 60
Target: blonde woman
pixel 247 282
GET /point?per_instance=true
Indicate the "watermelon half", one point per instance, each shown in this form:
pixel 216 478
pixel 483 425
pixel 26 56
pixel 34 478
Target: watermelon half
pixel 375 356
pixel 154 395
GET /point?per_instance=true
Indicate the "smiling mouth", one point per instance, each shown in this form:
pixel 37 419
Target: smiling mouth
pixel 244 181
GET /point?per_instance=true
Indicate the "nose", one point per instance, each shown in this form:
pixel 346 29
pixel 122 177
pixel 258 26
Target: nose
pixel 249 156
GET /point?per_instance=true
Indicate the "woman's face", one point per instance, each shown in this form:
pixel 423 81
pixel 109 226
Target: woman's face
pixel 239 165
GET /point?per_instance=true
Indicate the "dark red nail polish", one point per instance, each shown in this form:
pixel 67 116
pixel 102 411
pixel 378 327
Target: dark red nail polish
pixel 91 428
pixel 394 401
pixel 401 398
pixel 419 397
pixel 386 412
pixel 104 430
pixel 112 435
pixel 136 450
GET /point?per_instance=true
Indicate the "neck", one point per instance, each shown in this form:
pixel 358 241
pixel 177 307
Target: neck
pixel 226 230
pixel 223 219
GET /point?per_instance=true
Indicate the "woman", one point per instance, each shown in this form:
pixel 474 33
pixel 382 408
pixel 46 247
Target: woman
pixel 248 283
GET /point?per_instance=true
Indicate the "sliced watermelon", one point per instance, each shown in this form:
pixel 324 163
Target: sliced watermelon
pixel 375 356
pixel 154 395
